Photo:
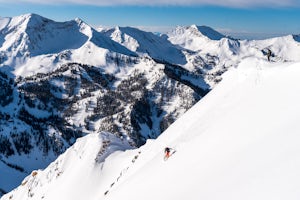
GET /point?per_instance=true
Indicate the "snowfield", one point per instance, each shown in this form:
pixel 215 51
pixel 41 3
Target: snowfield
pixel 241 141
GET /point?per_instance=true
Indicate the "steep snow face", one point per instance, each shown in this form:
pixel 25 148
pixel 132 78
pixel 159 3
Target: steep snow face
pixel 209 32
pixel 106 43
pixel 200 31
pixel 117 35
pixel 240 141
pixel 147 43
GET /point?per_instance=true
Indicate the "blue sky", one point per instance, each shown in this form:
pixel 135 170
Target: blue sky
pixel 238 18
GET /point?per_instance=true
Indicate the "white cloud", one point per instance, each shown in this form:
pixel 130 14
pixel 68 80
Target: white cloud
pixel 226 3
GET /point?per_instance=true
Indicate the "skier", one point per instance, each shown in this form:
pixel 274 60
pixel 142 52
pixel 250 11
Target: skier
pixel 168 152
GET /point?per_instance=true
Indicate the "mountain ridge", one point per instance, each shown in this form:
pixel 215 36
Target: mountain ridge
pixel 146 42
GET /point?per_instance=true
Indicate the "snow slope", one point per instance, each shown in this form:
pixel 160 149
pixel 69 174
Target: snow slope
pixel 239 142
pixel 147 43
pixel 284 48
pixel 194 37
pixel 83 161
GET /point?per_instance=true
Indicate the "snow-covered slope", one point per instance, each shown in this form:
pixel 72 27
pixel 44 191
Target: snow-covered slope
pixel 194 37
pixel 205 40
pixel 84 160
pixel 147 43
pixel 285 48
pixel 239 142
pixel 216 52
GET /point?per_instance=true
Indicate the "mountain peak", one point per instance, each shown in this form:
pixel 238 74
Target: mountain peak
pixel 78 20
pixel 194 26
pixel 198 31
pixel 147 43
pixel 35 18
pixel 208 32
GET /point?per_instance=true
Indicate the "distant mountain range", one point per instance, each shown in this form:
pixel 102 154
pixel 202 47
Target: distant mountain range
pixel 63 80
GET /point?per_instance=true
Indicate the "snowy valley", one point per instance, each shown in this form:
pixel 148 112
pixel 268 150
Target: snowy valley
pixel 120 92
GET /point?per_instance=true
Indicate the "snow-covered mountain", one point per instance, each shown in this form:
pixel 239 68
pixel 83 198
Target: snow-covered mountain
pixel 194 37
pixel 284 48
pixel 147 43
pixel 64 80
pixel 204 40
pixel 30 42
pixel 34 35
pixel 239 141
